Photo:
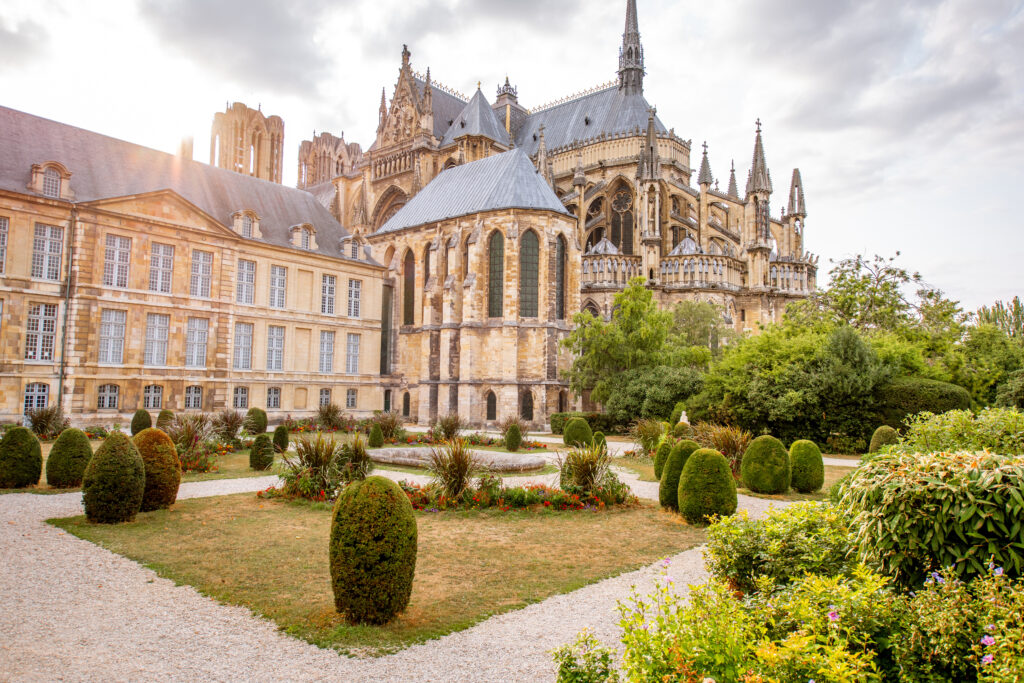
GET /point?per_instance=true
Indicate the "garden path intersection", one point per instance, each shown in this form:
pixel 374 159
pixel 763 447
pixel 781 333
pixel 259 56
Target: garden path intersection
pixel 76 612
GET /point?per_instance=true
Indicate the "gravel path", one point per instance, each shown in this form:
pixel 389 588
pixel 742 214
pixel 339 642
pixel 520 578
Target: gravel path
pixel 73 611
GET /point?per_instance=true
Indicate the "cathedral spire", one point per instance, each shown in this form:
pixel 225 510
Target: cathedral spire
pixel 383 110
pixel 649 165
pixel 631 55
pixel 733 190
pixel 544 165
pixel 705 177
pixel 760 180
pixel 796 196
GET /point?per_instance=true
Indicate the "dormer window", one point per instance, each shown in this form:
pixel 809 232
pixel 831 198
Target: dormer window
pixel 51 180
pixel 51 183
pixel 247 224
pixel 303 236
pixel 355 250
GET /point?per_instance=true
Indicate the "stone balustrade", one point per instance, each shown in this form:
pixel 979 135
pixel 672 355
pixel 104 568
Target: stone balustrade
pixel 789 277
pixel 610 269
pixel 700 271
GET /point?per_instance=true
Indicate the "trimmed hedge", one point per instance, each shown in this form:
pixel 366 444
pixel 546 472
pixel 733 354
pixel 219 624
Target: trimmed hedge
pixel 908 396
pixel 765 466
pixel 513 438
pixel 281 439
pixel 668 487
pixel 577 433
pixel 706 487
pixel 164 418
pixel 261 453
pixel 372 551
pixel 660 456
pixel 163 470
pixel 141 420
pixel 376 436
pixel 255 421
pixel 883 436
pixel 682 430
pixel 601 422
pixel 114 481
pixel 68 459
pixel 21 459
pixel 807 470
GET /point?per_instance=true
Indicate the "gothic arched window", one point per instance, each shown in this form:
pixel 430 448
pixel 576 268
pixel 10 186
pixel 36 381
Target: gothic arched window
pixel 622 221
pixel 409 290
pixel 560 278
pixel 406 401
pixel 426 265
pixel 529 255
pixel 592 309
pixel 492 406
pixel 526 410
pixel 495 274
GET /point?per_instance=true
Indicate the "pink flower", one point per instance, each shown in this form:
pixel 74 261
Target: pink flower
pixel 833 616
pixel 987 659
pixel 988 640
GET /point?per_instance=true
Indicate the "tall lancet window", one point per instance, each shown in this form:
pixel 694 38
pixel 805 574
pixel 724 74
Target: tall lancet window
pixel 495 274
pixel 409 290
pixel 622 221
pixel 529 255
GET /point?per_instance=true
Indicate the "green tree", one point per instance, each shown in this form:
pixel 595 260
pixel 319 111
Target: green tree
pixel 1008 316
pixel 985 358
pixel 700 324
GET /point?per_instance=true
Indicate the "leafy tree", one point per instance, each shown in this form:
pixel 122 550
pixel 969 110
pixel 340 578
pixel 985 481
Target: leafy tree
pixel 1011 392
pixel 985 358
pixel 1009 317
pixel 651 392
pixel 700 323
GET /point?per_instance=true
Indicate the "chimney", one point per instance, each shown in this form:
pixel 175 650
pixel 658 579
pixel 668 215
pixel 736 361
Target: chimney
pixel 185 150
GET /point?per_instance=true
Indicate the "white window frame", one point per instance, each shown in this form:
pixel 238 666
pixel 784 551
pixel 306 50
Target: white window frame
pixel 201 282
pixel 355 297
pixel 161 267
pixel 247 223
pixel 113 324
pixel 193 397
pixel 158 326
pixel 352 344
pixel 245 284
pixel 116 261
pixel 196 336
pixel 278 297
pixel 40 332
pixel 36 396
pixel 153 397
pixel 326 351
pixel 328 289
pixel 274 398
pixel 243 346
pixel 275 348
pixel 304 238
pixel 325 397
pixel 351 398
pixel 240 398
pixel 51 183
pixel 4 225
pixel 47 252
pixel 108 396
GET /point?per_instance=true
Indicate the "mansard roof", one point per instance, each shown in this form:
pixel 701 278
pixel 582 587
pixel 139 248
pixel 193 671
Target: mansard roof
pixel 476 118
pixel 105 168
pixel 445 105
pixel 504 181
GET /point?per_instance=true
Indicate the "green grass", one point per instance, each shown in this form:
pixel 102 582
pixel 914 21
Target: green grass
pixel 271 556
pixel 832 475
pixel 643 467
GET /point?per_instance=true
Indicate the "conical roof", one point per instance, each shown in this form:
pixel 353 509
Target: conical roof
pixel 733 190
pixel 477 118
pixel 705 169
pixel 796 195
pixel 760 180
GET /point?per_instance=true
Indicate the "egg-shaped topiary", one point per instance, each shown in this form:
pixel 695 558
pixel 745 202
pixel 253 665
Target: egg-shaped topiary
pixel 261 453
pixel 164 418
pixel 883 436
pixel 513 438
pixel 21 459
pixel 255 421
pixel 682 430
pixel 765 466
pixel 372 551
pixel 163 470
pixel 806 466
pixel 376 436
pixel 69 456
pixel 577 433
pixel 668 488
pixel 661 455
pixel 280 439
pixel 706 487
pixel 141 420
pixel 114 481
pixel 601 440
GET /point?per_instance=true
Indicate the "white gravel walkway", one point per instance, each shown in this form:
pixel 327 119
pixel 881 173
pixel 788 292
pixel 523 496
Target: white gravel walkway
pixel 72 611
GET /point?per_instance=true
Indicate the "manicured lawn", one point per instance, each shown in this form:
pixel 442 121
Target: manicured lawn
pixel 271 556
pixel 643 467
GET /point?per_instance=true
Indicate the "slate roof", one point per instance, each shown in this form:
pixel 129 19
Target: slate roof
pixel 446 107
pixel 477 118
pixel 104 168
pixel 610 111
pixel 503 181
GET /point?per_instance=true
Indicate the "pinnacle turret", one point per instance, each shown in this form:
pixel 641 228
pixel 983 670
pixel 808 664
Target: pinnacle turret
pixel 579 179
pixel 733 190
pixel 649 166
pixel 705 177
pixel 544 165
pixel 759 180
pixel 631 55
pixel 797 206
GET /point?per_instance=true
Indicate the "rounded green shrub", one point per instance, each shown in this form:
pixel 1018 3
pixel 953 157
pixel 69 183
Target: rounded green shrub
pixel 164 418
pixel 261 453
pixel 513 438
pixel 376 436
pixel 668 489
pixel 807 470
pixel 21 459
pixel 114 481
pixel 280 438
pixel 907 396
pixel 577 433
pixel 682 430
pixel 706 487
pixel 883 436
pixel 141 420
pixel 677 413
pixel 68 459
pixel 660 456
pixel 600 440
pixel 765 466
pixel 163 471
pixel 372 551
pixel 255 421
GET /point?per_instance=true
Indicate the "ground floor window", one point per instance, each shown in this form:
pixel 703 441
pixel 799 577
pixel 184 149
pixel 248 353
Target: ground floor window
pixel 406 401
pixel 37 395
pixel 325 397
pixel 526 412
pixel 153 397
pixel 193 398
pixel 350 398
pixel 387 400
pixel 241 397
pixel 492 406
pixel 273 397
pixel 107 397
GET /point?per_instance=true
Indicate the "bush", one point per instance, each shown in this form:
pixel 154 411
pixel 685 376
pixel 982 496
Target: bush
pixel 682 430
pixel 661 455
pixel 255 421
pixel 453 467
pixel 372 551
pixel 883 436
pixel 677 413
pixel 330 417
pixel 163 473
pixel 261 453
pixel 513 438
pixel 21 459
pixel 449 426
pixel 312 472
pixel 141 420
pixel 908 396
pixel 390 424
pixel 647 433
pixel 706 487
pixel 505 424
pixel 585 661
pixel 600 440
pixel 918 513
pixel 376 436
pixel 189 431
pixel 353 462
pixel 583 469
pixel 226 424
pixel 1010 393
pixel 806 466
pixel 765 466
pixel 47 422
pixel 164 418
pixel 281 439
pixel 601 422
pixel 668 488
pixel 999 430
pixel 731 442
pixel 68 459
pixel 807 537
pixel 577 433
pixel 114 482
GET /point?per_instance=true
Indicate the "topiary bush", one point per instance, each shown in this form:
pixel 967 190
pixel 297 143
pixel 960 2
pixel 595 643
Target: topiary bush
pixel 372 551
pixel 68 459
pixel 765 466
pixel 21 459
pixel 677 413
pixel 164 418
pixel 807 470
pixel 376 436
pixel 908 396
pixel 163 471
pixel 114 481
pixel 261 453
pixel 141 420
pixel 256 421
pixel 281 439
pixel 660 456
pixel 668 488
pixel 600 440
pixel 883 436
pixel 706 487
pixel 682 430
pixel 513 438
pixel 577 433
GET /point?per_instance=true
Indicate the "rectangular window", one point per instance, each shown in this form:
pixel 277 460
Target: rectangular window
pixel 112 327
pixel 243 346
pixel 157 327
pixel 195 342
pixel 327 352
pixel 40 331
pixel 153 397
pixel 355 288
pixel 47 248
pixel 273 397
pixel 352 354
pixel 350 398
pixel 241 397
pixel 245 291
pixel 161 265
pixel 193 398
pixel 278 286
pixel 36 396
pixel 327 290
pixel 3 243
pixel 325 397
pixel 116 260
pixel 202 273
pixel 275 348
pixel 106 397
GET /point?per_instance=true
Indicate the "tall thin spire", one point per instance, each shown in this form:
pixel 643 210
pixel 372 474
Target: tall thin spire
pixel 544 165
pixel 796 196
pixel 705 177
pixel 760 180
pixel 649 167
pixel 631 55
pixel 733 190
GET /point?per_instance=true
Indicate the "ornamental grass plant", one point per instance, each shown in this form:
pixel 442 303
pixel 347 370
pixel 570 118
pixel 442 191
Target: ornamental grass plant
pixel 452 467
pixel 583 468
pixel 312 472
pixel 48 422
pixel 731 442
pixel 647 433
pixel 226 424
pixel 448 427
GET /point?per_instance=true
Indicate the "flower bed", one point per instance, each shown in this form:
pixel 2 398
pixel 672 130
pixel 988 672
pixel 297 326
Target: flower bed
pixel 429 498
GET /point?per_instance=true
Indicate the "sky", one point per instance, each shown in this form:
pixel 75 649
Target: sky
pixel 906 119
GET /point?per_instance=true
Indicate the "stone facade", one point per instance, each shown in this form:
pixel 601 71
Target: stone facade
pixel 246 141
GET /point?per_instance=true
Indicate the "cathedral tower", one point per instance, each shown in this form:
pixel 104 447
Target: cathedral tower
pixel 631 55
pixel 245 141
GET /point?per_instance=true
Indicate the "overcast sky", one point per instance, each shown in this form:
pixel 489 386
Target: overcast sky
pixel 905 119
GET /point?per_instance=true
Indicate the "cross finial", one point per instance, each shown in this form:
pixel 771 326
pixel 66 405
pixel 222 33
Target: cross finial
pixel 478 85
pixel 758 124
pixel 705 148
